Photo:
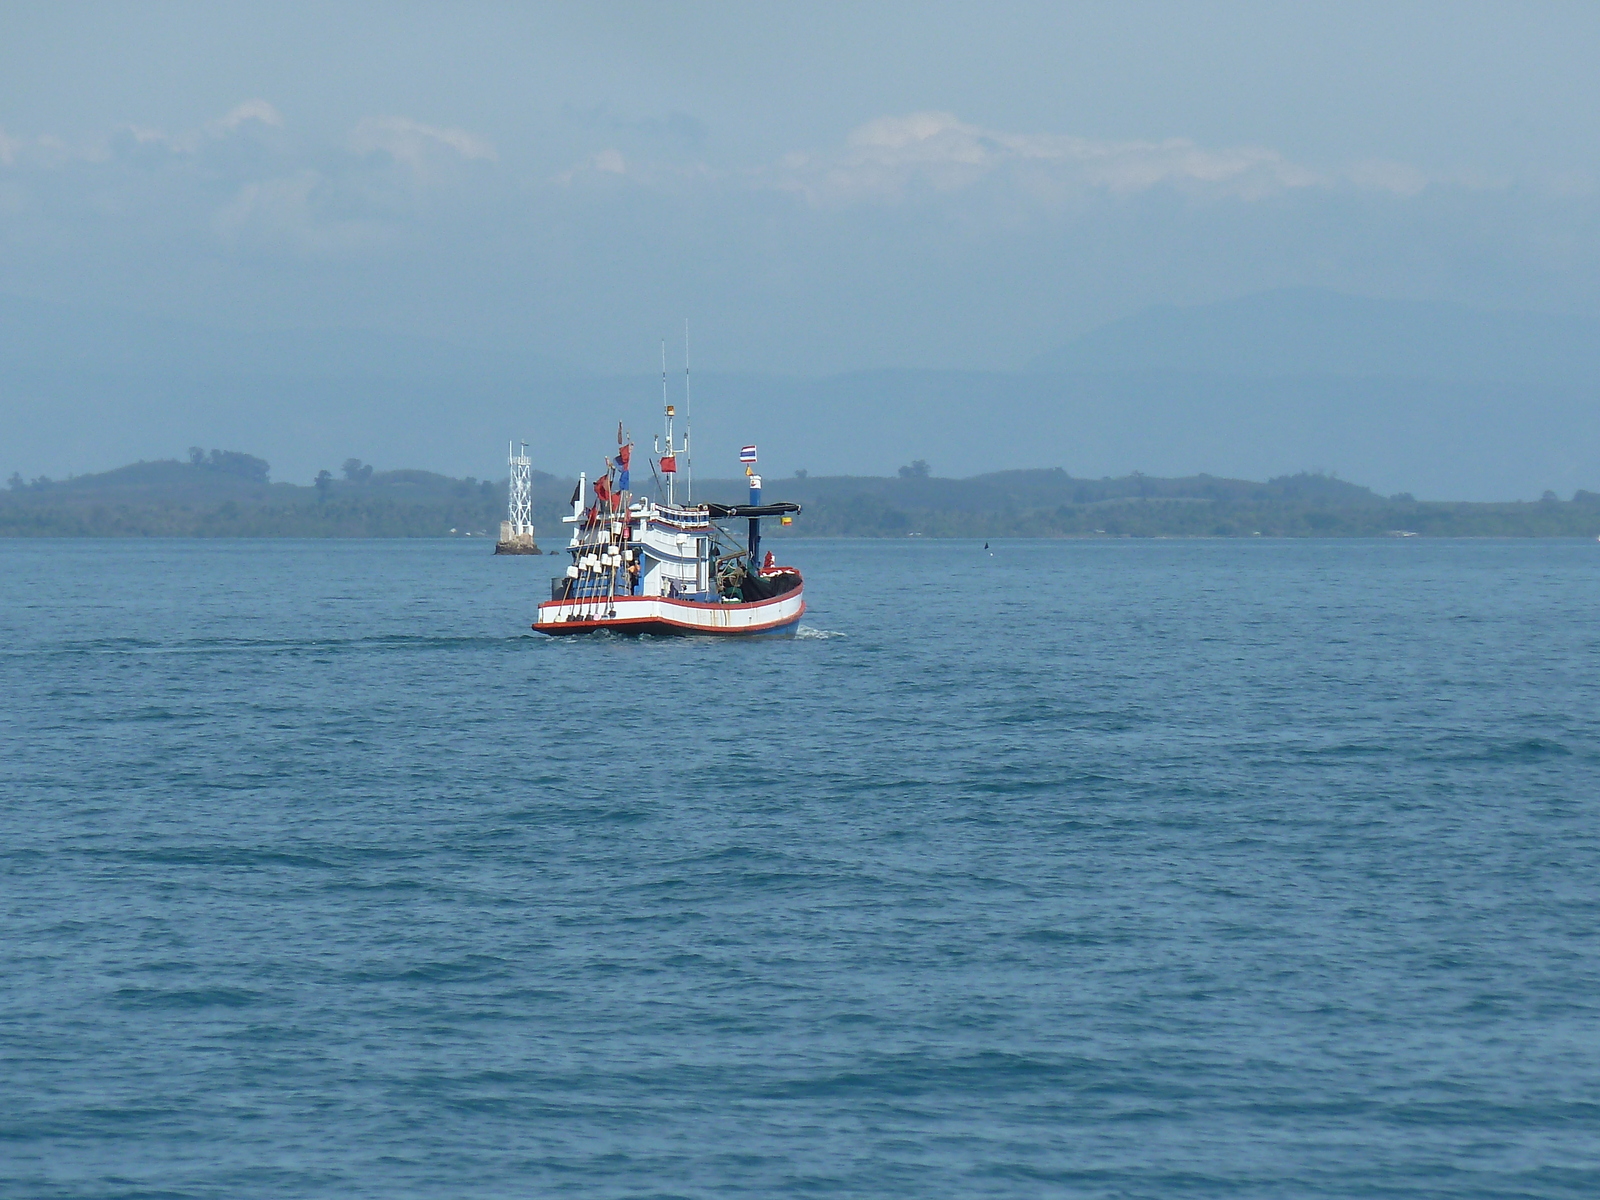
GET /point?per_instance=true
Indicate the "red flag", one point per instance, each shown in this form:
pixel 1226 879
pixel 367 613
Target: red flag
pixel 669 464
pixel 602 489
pixel 624 455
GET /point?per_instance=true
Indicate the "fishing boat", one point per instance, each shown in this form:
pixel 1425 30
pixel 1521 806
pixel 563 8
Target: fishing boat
pixel 650 565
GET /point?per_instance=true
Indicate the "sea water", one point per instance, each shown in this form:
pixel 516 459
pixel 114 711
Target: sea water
pixel 1086 868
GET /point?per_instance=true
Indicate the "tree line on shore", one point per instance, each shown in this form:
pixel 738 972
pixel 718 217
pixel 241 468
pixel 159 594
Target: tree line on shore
pixel 229 494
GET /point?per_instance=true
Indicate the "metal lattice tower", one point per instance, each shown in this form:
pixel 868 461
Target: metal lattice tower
pixel 521 494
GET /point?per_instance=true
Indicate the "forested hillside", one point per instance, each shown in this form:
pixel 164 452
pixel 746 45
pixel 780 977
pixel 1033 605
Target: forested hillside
pixel 230 494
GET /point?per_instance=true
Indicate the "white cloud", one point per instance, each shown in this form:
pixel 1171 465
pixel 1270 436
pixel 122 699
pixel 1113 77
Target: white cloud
pixel 193 141
pixel 250 110
pixel 415 144
pixel 891 156
pixel 884 158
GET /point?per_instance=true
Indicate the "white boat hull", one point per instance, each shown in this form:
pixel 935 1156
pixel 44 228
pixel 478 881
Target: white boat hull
pixel 779 616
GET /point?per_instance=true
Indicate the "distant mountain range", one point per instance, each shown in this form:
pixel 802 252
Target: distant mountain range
pixel 1434 399
pixel 1305 332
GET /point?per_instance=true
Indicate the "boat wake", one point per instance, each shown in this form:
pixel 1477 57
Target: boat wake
pixel 807 633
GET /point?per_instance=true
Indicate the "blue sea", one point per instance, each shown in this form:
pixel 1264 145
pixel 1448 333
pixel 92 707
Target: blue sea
pixel 1083 868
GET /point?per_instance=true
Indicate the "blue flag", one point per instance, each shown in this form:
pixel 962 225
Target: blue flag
pixel 624 457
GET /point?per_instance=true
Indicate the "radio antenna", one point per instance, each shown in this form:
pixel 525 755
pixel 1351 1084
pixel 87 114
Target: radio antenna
pixel 688 413
pixel 672 476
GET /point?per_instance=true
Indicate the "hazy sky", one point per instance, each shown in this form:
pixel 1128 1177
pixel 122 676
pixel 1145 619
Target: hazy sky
pixel 819 187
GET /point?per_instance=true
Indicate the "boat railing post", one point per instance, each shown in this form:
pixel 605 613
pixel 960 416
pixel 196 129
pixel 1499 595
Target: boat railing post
pixel 755 525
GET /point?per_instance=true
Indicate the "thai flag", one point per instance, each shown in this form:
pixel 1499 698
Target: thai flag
pixel 747 454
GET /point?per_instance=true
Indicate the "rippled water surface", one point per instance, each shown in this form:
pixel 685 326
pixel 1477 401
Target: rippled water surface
pixel 1085 868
